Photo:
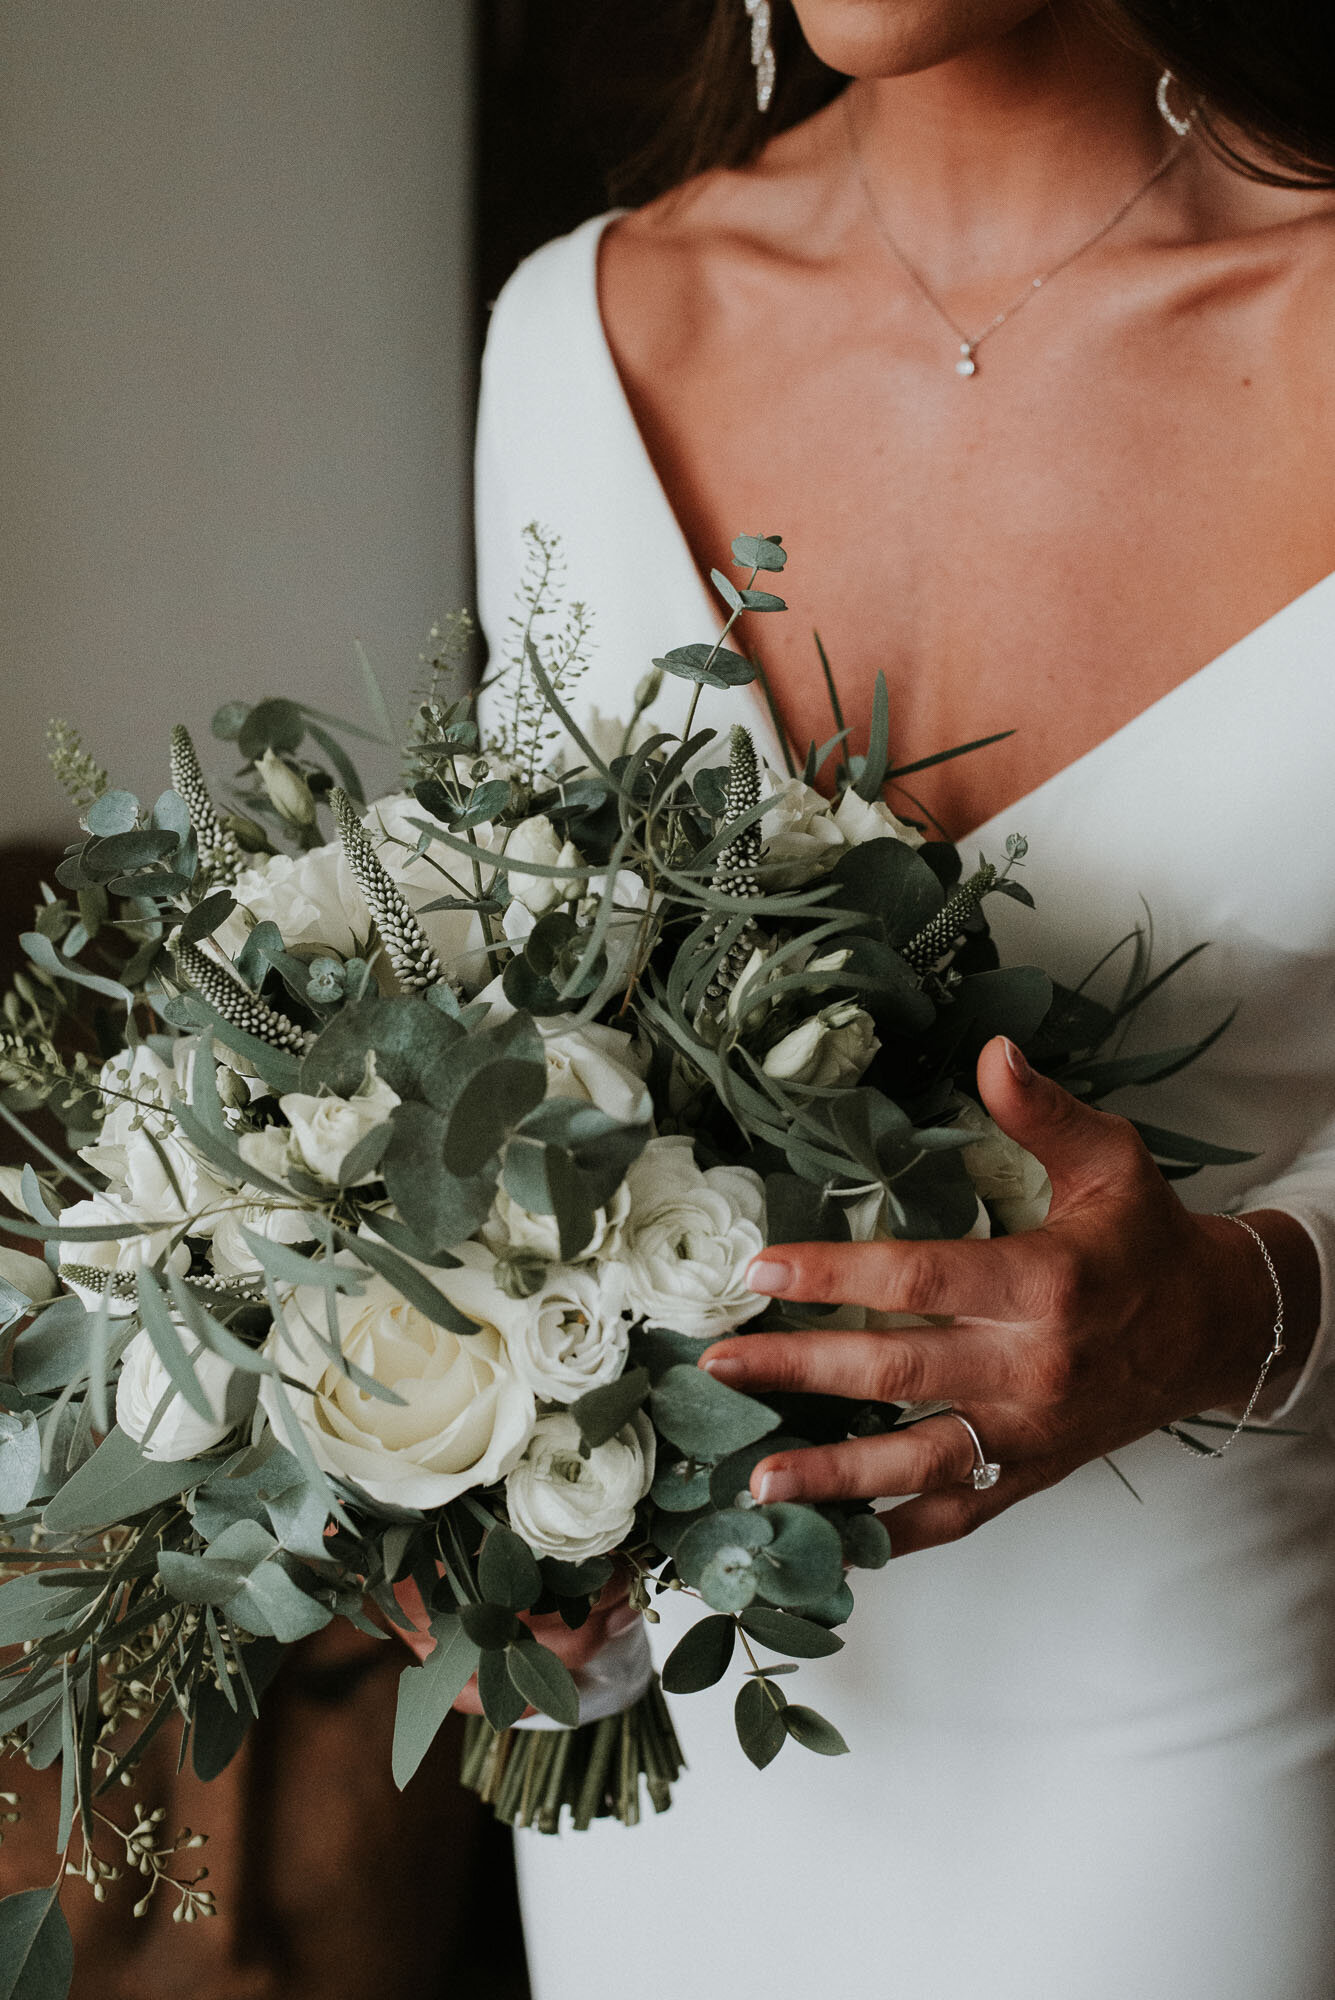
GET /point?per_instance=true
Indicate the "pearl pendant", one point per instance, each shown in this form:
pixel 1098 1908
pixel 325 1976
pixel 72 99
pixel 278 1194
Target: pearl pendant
pixel 966 365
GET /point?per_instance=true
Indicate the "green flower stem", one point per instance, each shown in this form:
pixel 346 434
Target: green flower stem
pixel 531 1777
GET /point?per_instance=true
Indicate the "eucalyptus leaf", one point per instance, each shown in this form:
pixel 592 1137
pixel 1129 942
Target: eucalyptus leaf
pixel 117 1483
pixel 758 1715
pixel 701 1657
pixel 20 1460
pixel 813 1732
pixel 783 1633
pixel 36 1950
pixel 704 1417
pixel 507 1571
pixel 545 1681
pixel 428 1691
pixel 490 1626
pixel 602 1412
pixel 502 1702
pixel 759 552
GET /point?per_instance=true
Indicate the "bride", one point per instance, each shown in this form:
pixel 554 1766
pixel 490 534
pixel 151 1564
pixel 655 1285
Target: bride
pixel 1037 384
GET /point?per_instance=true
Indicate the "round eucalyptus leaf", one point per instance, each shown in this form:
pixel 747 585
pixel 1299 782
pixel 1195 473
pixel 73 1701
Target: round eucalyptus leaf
pixel 758 1716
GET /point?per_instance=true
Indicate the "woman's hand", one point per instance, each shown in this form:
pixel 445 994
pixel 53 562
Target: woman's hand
pixel 611 1615
pixel 1123 1313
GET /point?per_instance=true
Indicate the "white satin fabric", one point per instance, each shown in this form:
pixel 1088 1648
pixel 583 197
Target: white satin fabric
pixel 1093 1747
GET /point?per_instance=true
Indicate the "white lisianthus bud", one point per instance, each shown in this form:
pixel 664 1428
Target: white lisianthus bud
pixel 572 1333
pixel 747 999
pixel 536 839
pixel 464 1418
pixel 572 1507
pixel 831 1050
pixel 180 1432
pixel 326 1129
pixel 287 788
pixel 860 819
pixel 689 1238
pixel 1011 1181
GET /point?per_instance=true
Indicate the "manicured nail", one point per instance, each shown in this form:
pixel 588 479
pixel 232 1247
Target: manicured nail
pixel 768 1274
pixel 778 1486
pixel 724 1370
pixel 1016 1063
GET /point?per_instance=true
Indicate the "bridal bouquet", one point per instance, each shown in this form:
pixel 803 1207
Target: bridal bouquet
pixel 415 1146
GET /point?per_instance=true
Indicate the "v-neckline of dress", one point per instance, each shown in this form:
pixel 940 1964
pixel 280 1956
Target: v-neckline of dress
pixel 599 349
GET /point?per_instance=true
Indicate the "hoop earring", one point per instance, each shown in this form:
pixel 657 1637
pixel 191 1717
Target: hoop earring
pixel 1170 118
pixel 762 51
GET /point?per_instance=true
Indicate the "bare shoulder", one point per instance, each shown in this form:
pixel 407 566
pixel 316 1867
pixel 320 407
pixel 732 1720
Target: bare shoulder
pixel 671 272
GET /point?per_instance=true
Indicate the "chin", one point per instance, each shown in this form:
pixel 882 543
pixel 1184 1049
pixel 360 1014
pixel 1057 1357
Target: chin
pixel 884 38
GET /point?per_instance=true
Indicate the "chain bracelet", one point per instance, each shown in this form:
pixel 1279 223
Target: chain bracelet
pixel 1276 1349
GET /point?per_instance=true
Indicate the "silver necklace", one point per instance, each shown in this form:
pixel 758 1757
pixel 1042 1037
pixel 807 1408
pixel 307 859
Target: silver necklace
pixel 971 342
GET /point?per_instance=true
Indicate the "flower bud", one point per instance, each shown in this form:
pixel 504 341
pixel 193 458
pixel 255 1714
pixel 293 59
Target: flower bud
pixel 646 692
pixel 831 1050
pixel 288 789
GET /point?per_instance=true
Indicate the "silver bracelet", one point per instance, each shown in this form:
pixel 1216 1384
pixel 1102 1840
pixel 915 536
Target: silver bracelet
pixel 1276 1349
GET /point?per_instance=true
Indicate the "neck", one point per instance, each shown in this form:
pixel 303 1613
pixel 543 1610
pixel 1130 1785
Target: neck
pixel 996 158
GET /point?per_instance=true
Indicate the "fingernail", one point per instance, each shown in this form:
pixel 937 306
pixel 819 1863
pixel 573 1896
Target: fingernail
pixel 776 1486
pixel 768 1274
pixel 723 1369
pixel 1016 1063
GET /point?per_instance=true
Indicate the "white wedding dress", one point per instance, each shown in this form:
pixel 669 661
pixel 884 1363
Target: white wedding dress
pixel 1093 1746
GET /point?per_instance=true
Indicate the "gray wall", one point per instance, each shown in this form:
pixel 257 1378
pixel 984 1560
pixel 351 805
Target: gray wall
pixel 235 381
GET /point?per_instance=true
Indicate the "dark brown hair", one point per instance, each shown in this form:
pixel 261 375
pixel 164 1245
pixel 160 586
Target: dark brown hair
pixel 1264 71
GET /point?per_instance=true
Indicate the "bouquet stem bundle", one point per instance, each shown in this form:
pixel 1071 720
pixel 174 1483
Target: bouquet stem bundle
pixel 528 1776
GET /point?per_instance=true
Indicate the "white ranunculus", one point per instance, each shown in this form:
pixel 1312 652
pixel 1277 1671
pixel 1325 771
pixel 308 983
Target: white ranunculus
pixel 572 1507
pixel 311 897
pixel 287 788
pixel 799 831
pixel 1011 1181
pixel 572 1334
pixel 124 1253
pixel 831 1050
pixel 180 1431
pixel 688 1240
pixel 465 1416
pixel 325 1129
pixel 861 819
pixel 230 1254
pixel 536 839
pixel 456 936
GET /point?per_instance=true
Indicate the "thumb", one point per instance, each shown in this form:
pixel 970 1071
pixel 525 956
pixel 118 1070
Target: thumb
pixel 1078 1145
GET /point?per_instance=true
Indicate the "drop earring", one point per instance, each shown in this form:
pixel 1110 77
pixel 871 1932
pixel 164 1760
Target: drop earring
pixel 762 51
pixel 1179 125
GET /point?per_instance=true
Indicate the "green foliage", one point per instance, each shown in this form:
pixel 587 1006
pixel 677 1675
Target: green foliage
pixel 36 1950
pixel 428 1691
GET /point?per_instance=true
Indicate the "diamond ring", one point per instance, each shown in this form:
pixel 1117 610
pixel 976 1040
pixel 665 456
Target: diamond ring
pixel 986 1472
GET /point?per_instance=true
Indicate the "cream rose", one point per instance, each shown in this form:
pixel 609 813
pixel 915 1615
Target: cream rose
pixel 311 897
pixel 1011 1181
pixel 599 1066
pixel 116 1256
pixel 180 1432
pixel 465 1416
pixel 830 1050
pixel 572 1334
pixel 799 831
pixel 230 1254
pixel 324 1130
pixel 688 1239
pixel 861 819
pixel 573 1507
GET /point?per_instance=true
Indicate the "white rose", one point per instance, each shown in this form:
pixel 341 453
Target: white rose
pixel 119 1254
pixel 268 1151
pixel 1011 1181
pixel 465 1416
pixel 688 1240
pixel 536 839
pixel 165 1179
pixel 180 1432
pixel 230 1254
pixel 325 1129
pixel 456 936
pixel 572 1507
pixel 799 831
pixel 830 1050
pixel 597 1065
pixel 572 1334
pixel 133 1086
pixel 861 819
pixel 312 898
